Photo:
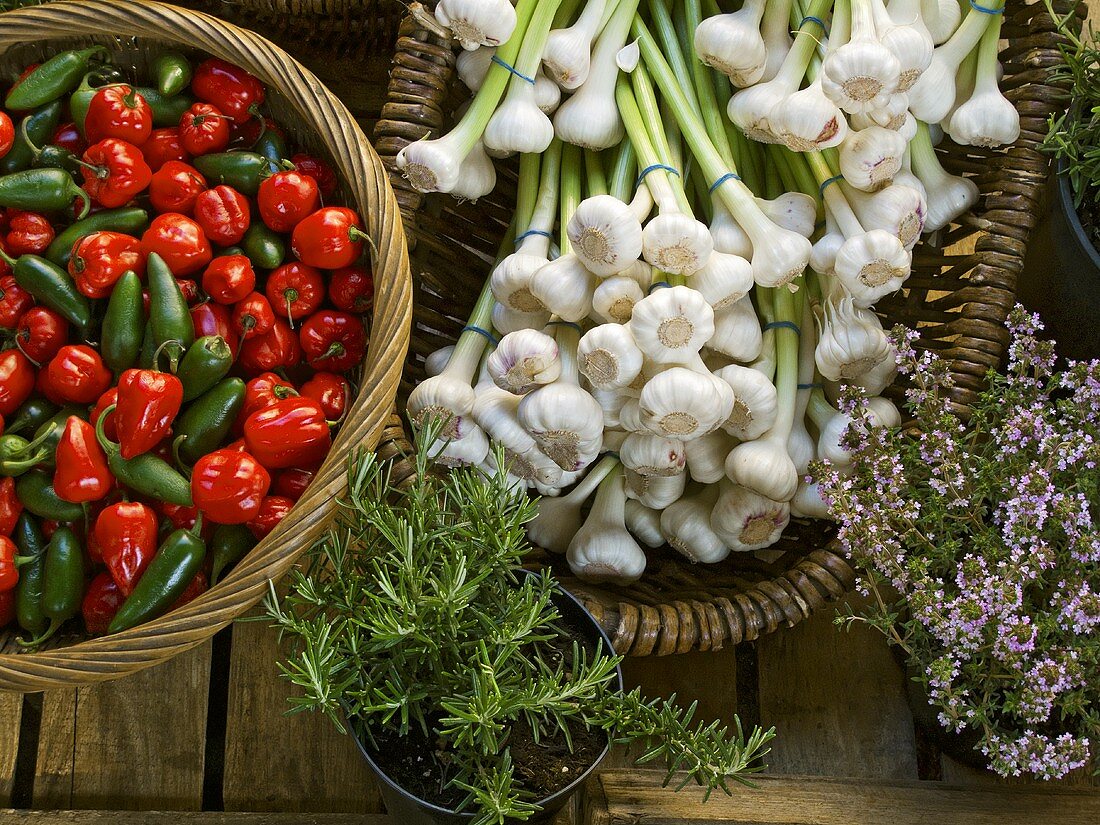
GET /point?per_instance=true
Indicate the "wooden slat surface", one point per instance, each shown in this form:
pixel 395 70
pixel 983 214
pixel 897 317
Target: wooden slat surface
pixel 637 797
pixel 710 678
pixel 11 817
pixel 11 708
pixel 136 743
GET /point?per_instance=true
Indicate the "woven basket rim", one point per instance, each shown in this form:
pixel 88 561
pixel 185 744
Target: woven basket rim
pixel 365 180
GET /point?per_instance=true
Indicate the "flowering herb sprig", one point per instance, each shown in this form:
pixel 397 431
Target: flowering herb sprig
pixel 980 550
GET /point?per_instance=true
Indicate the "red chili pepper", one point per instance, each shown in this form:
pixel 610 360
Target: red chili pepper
pixel 16 381
pixel 190 290
pixel 199 585
pixel 253 316
pixel 204 129
pixel 164 145
pixel 292 482
pixel 175 187
pixel 331 391
pixel 332 340
pixel 14 301
pixel 108 399
pixel 41 333
pixel 126 533
pixel 277 348
pixel 285 198
pixel 213 319
pixel 7 607
pixel 180 241
pixel 295 290
pixel 148 403
pixel 7 140
pixel 261 392
pixel 224 214
pixel 101 602
pixel 289 433
pixel 101 258
pixel 119 172
pixel 229 279
pixel 228 485
pixel 351 288
pixel 10 506
pixel 118 111
pixel 318 170
pixel 28 233
pixel 68 137
pixel 273 509
pixel 328 238
pixel 233 90
pixel 81 474
pixel 9 573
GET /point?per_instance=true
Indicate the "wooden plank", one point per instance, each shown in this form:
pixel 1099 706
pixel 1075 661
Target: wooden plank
pixel 136 743
pixel 710 678
pixel 11 712
pixel 837 700
pixel 275 762
pixel 637 796
pixel 11 817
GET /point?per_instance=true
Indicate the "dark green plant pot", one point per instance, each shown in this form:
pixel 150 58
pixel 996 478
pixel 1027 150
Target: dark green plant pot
pixel 408 809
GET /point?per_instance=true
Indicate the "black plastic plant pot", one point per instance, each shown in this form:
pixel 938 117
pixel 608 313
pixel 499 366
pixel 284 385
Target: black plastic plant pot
pixel 409 809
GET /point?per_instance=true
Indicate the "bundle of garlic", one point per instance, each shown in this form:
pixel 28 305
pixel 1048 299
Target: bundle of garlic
pixel 699 240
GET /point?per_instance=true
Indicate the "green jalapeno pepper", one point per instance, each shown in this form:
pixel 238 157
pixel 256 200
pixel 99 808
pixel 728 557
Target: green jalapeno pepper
pixel 205 363
pixel 244 171
pixel 172 71
pixel 167 111
pixel 90 84
pixel 123 324
pixel 18 454
pixel 169 314
pixel 62 582
pixel 265 249
pixel 33 412
pixel 271 145
pixel 28 592
pixel 229 544
pixel 129 220
pixel 204 424
pixel 37 127
pixel 52 79
pixel 42 190
pixel 36 492
pixel 52 286
pixel 146 474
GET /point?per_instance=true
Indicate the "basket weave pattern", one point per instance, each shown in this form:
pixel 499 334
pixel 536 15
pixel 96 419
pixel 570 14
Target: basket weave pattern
pixel 957 300
pixel 317 121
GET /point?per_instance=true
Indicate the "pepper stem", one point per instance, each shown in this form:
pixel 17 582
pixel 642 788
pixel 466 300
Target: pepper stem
pixel 55 624
pixel 109 447
pixel 173 360
pixel 196 528
pixel 6 258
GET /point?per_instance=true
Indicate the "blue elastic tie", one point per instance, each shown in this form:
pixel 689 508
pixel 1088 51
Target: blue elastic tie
pixel 513 70
pixel 783 325
pixel 612 453
pixel 810 19
pixel 986 9
pixel 815 386
pixel 723 179
pixel 577 327
pixel 825 185
pixel 531 232
pixel 658 285
pixel 484 332
pixel 654 168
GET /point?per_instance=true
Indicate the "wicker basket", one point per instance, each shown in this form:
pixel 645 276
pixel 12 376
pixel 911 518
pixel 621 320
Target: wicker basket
pixel 346 26
pixel 318 121
pixel 957 299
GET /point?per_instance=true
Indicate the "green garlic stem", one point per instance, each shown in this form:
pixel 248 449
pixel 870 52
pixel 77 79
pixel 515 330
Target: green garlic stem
pixel 968 34
pixel 570 191
pixel 542 219
pixel 527 191
pixel 705 91
pixel 624 172
pixel 597 178
pixel 655 126
pixel 666 33
pixel 988 48
pixel 658 180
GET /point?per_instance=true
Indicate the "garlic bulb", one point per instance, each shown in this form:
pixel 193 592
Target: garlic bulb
pixel 467 451
pixel 564 287
pixel 823 255
pixel 435 363
pixel 446 397
pixel 737 332
pixel 524 360
pixel 608 357
pixel 863 73
pixel 750 109
pixel 686 527
pixel 630 415
pixel 851 340
pixel 941 17
pixel 477 176
pixel 644 523
pixel 764 466
pixel 605 235
pixel 676 243
pixel 472 67
pixel 909 42
pixel 547 94
pixel 655 492
pixel 724 280
pixel 682 404
pixel 933 95
pixel 614 298
pixel 511 280
pixel 878 378
pixel 807 502
pixel 728 236
pixel 793 211
pixel 518 124
pixel 987 118
pixel 948 195
pixel 433 165
pixel 706 456
pixel 871 157
pixel 672 324
pixel 651 455
pixel 495 411
pixel 778 255
pixel 894 115
pixel 568 52
pixel 777 39
pixel 732 43
pixel 754 405
pixel 506 319
pixel 747 521
pixel 808 120
pixel 611 402
pixel 559 519
pixel 897 209
pixel 477 22
pixel 603 550
pixel 832 426
pixel 872 265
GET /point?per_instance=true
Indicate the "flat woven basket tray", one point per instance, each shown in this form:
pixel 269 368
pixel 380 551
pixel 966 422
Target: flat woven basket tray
pixel 960 291
pixel 316 120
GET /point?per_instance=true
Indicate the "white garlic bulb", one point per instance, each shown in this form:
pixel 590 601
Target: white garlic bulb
pixel 755 403
pixel 564 287
pixel 686 527
pixel 603 549
pixel 524 360
pixel 472 66
pixel 871 157
pixel 732 43
pixel 872 265
pixel 851 341
pixel 435 363
pixel 608 357
pixel 737 332
pixel 605 234
pixel 477 23
pixel 746 520
pixel 682 403
pixel 651 455
pixel 655 492
pixel 724 281
pixel 706 456
pixel 644 523
pixel 671 325
pixel 614 298
pixel 676 243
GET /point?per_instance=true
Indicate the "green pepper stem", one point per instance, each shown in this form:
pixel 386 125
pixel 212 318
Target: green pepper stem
pixel 196 528
pixel 108 446
pixel 173 360
pixel 55 624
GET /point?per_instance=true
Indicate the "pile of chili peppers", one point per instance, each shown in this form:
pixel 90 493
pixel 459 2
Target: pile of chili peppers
pixel 178 308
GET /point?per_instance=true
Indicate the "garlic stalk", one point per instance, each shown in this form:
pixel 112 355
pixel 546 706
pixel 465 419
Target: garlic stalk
pixel 614 298
pixel 863 73
pixel 745 520
pixel 567 54
pixel 559 519
pixel 603 549
pixel 732 43
pixel 755 404
pixel 686 527
pixel 477 23
pixel 987 118
pixel 800 445
pixel 644 523
pixel 728 236
pixel 775 28
pixel 609 357
pixel 948 195
pixel 524 360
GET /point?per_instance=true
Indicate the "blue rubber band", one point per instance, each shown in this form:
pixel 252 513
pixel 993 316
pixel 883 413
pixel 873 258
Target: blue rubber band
pixel 611 453
pixel 815 386
pixel 811 19
pixel 658 285
pixel 986 9
pixel 483 332
pixel 825 185
pixel 577 327
pixel 654 168
pixel 783 325
pixel 726 177
pixel 513 70
pixel 531 232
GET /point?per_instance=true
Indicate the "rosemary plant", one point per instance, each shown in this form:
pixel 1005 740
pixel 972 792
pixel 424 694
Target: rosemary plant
pixel 411 616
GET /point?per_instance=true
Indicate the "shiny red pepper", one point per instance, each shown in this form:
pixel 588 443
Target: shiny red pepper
pixel 81 474
pixel 332 340
pixel 126 533
pixel 292 482
pixel 148 403
pixel 224 215
pixel 76 375
pixel 14 301
pixel 101 258
pixel 229 279
pixel 228 486
pixel 204 129
pixel 179 517
pixel 118 111
pixel 163 145
pixel 108 399
pixel 10 506
pixel 285 198
pixel 233 90
pixel 331 391
pixel 118 172
pixel 263 391
pixel 9 573
pixel 295 290
pixel 292 432
pixel 276 348
pixel 351 288
pixel 28 233
pixel 190 290
pixel 16 381
pixel 329 238
pixel 101 602
pixel 253 315
pixel 68 137
pixel 273 509
pixel 179 241
pixel 41 333
pixel 7 140
pixel 175 187
pixel 214 319
pixel 318 170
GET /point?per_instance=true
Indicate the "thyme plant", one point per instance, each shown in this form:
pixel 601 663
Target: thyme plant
pixel 411 615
